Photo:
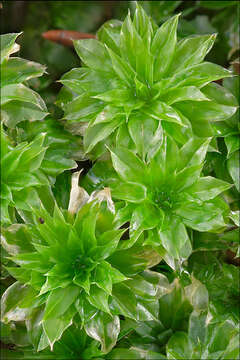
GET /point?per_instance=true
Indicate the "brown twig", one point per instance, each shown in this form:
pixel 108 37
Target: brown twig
pixel 66 37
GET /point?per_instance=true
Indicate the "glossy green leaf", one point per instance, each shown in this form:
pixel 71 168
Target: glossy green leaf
pixel 11 302
pixel 109 34
pixel 163 46
pixel 183 93
pixel 87 50
pixel 207 188
pixel 8 45
pixel 233 168
pixel 99 132
pixel 17 70
pixel 174 240
pixel 193 152
pixel 59 301
pixel 105 329
pixel 99 298
pixel 191 51
pixel 206 218
pixel 146 134
pixel 131 192
pixel 55 327
pixel 128 165
pixel 233 143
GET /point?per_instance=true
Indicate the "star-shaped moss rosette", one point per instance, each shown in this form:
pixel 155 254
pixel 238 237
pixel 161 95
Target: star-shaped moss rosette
pixel 18 101
pixel 66 269
pixel 74 344
pixel 138 81
pixel 167 194
pixel 186 329
pixel 222 282
pixel 20 174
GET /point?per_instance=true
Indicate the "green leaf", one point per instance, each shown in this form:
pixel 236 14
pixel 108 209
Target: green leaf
pixel 119 97
pixel 96 133
pixel 233 143
pixel 220 94
pixel 87 50
pixel 8 45
pixel 143 24
pixel 193 152
pixel 130 261
pixel 207 217
pixel 163 46
pixel 85 309
pixel 235 217
pixel 104 328
pixel 15 111
pixel 146 133
pixel 99 299
pixel 109 34
pixel 55 327
pixel 134 51
pixel 161 111
pixel 207 188
pixel 175 239
pixel 207 110
pixel 89 80
pixel 85 223
pixel 21 92
pixel 16 239
pixel 106 244
pixel 190 51
pixel 197 75
pixel 178 348
pixel 59 301
pixel 233 168
pixel 197 327
pixel 136 353
pixel 187 177
pixel 145 217
pixel 17 70
pixel 83 281
pixel 81 108
pixel 124 301
pixel 103 277
pixel 181 94
pixel 128 191
pixel 121 68
pixel 163 165
pixel 11 302
pixel 128 165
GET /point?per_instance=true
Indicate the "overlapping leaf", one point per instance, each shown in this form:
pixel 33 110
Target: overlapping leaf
pixel 18 101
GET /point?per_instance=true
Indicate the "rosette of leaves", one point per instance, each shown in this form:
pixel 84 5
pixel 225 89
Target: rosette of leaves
pixel 165 195
pixel 74 344
pixel 192 332
pixel 18 101
pixel 204 340
pixel 20 175
pixel 138 81
pixel 222 281
pixel 152 336
pixel 66 270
